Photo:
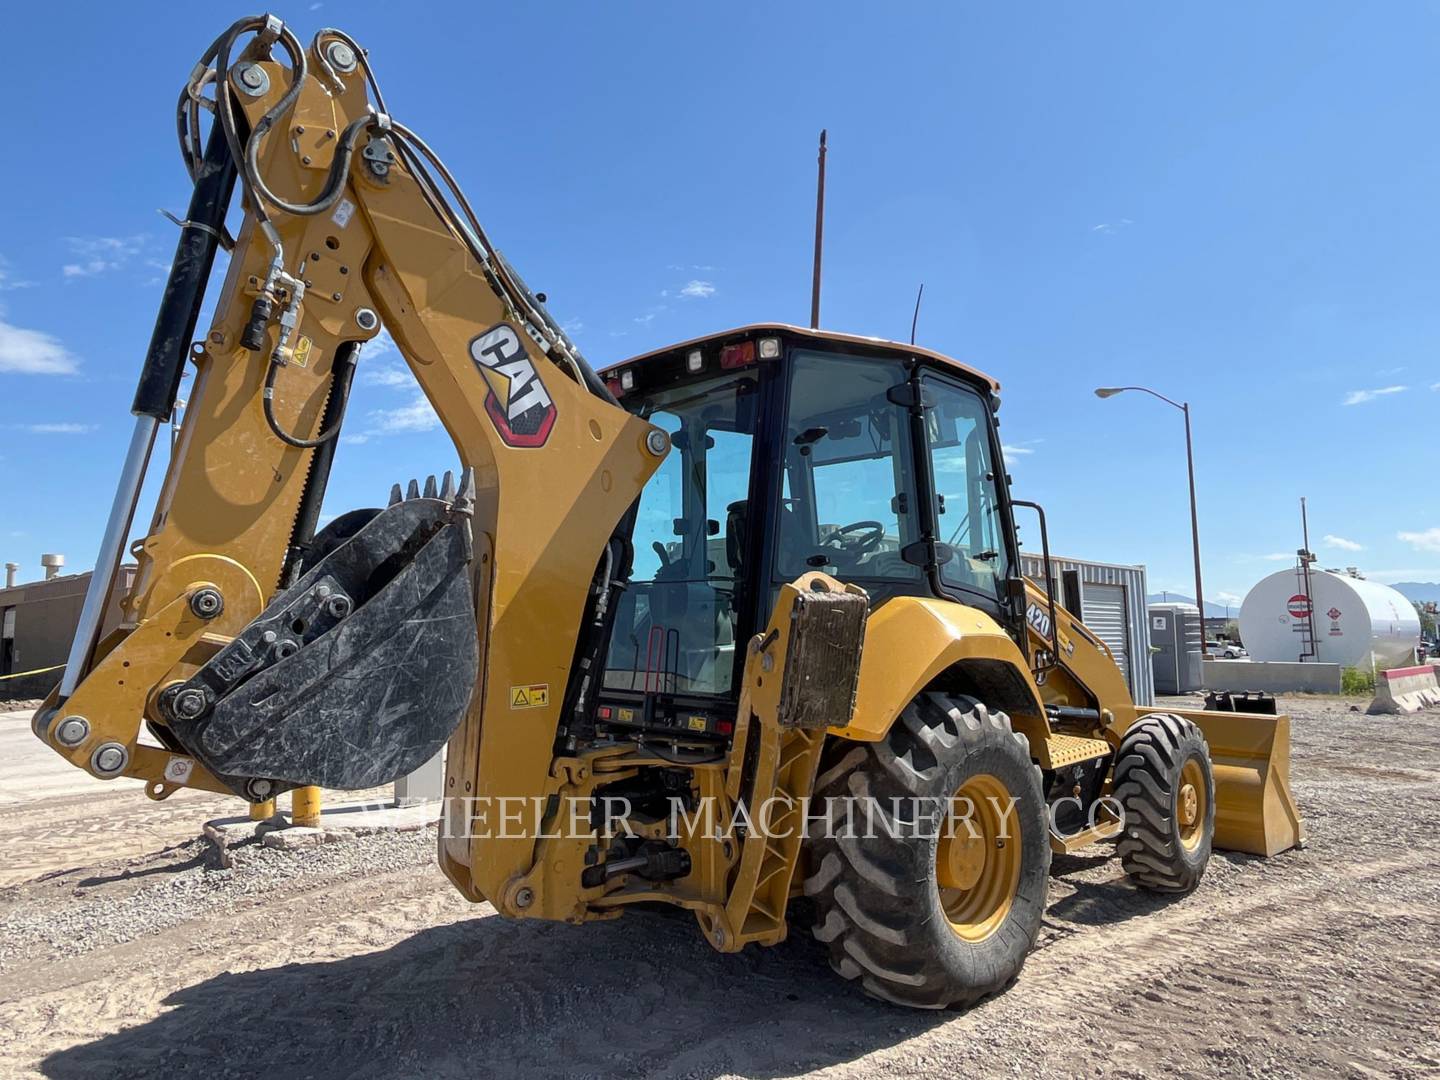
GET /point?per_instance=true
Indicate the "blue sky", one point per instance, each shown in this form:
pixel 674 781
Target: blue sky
pixel 1235 204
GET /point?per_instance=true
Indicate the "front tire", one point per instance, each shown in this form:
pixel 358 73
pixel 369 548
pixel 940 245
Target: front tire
pixel 921 910
pixel 1164 780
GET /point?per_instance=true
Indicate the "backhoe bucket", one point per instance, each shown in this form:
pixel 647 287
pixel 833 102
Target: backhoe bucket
pixel 1250 752
pixel 357 673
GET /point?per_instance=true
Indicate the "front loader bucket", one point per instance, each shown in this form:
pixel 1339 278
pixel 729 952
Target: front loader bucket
pixel 1254 810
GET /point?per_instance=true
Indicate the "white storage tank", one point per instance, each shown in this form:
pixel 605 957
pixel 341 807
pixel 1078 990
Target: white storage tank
pixel 1352 619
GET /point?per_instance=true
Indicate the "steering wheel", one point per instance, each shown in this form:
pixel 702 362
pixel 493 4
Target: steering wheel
pixel 857 539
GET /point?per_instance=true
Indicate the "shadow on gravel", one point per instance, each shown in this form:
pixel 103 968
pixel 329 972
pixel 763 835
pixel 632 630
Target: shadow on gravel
pixel 489 997
pixel 1107 903
pixel 165 861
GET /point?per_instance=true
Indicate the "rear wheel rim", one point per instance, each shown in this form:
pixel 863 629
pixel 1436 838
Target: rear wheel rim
pixel 1190 809
pixel 977 861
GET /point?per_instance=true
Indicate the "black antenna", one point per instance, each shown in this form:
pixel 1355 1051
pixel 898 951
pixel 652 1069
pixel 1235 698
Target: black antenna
pixel 819 237
pixel 915 319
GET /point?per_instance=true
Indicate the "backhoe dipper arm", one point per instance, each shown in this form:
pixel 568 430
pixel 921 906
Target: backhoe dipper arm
pixel 262 656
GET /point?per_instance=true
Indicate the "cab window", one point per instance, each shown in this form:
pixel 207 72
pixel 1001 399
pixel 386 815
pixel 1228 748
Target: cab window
pixel 846 505
pixel 675 626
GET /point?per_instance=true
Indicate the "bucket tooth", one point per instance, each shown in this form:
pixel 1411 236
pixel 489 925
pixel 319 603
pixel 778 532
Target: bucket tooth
pixel 465 500
pixel 431 492
pixel 447 487
pixel 413 491
pixel 395 494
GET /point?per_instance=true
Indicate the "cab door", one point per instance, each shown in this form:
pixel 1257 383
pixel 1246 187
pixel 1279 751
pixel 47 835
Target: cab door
pixel 969 513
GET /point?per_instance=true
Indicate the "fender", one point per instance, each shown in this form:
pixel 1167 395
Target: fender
pixel 914 642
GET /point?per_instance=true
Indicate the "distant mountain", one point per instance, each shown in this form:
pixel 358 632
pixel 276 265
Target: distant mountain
pixel 1418 590
pixel 1212 610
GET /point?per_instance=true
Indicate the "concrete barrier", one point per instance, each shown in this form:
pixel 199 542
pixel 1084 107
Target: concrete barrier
pixel 1273 677
pixel 1406 690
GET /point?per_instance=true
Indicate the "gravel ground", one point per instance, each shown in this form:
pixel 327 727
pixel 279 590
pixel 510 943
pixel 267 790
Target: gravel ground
pixel 358 960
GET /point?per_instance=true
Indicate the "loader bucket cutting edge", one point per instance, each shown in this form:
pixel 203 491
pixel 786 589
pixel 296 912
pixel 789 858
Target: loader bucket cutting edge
pixel 1254 809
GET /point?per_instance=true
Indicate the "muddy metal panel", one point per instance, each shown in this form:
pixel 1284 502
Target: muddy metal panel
pixel 1102 585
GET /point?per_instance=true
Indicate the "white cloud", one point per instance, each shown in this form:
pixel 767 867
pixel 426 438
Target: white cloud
pixel 393 378
pixel 382 344
pixel 646 319
pixel 1359 397
pixel 56 428
pixel 697 290
pixel 1229 597
pixel 1412 573
pixel 378 370
pixel 7 282
pixel 1107 228
pixel 1013 451
pixel 1330 540
pixel 1435 386
pixel 1279 556
pixel 100 254
pixel 30 352
pixel 1428 540
pixel 416 416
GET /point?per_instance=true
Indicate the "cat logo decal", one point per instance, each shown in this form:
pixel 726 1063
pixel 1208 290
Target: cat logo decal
pixel 518 403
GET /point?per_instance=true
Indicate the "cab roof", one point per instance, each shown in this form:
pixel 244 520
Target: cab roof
pixel 851 343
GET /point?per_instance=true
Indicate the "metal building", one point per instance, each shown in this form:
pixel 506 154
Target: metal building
pixel 1110 600
pixel 37 622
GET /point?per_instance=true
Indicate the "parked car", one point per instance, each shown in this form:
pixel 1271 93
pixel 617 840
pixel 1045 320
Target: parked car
pixel 1225 650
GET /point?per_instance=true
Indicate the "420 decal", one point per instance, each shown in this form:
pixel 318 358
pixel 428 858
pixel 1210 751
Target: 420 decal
pixel 518 403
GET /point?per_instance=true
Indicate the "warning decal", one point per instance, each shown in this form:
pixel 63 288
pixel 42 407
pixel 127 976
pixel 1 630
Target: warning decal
pixel 178 769
pixel 300 357
pixel 530 697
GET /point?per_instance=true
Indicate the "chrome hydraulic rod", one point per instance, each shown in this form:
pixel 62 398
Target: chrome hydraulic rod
pixel 112 544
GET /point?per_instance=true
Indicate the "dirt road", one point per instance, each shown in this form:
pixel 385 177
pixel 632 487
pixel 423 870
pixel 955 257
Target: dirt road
pixel 358 960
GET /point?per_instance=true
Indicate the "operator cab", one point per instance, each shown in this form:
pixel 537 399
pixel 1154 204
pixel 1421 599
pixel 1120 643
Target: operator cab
pixel 793 450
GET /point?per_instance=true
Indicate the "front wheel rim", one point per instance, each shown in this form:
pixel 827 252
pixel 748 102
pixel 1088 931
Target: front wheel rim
pixel 1190 807
pixel 977 860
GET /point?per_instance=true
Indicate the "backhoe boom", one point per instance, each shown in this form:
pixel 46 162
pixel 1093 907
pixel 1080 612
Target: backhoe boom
pixel 265 657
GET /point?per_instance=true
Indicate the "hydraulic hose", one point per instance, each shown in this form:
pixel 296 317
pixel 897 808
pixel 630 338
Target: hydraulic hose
pixel 267 401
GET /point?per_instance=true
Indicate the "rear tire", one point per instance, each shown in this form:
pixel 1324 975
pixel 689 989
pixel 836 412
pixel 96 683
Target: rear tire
pixel 1164 780
pixel 882 911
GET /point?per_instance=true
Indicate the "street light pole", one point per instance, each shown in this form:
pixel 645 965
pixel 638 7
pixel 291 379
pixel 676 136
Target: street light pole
pixel 1194 524
pixel 1184 407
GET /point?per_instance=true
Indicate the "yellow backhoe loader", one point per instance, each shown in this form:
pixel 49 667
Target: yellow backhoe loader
pixel 737 623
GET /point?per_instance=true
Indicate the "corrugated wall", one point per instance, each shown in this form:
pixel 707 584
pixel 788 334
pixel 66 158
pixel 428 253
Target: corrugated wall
pixel 1136 645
